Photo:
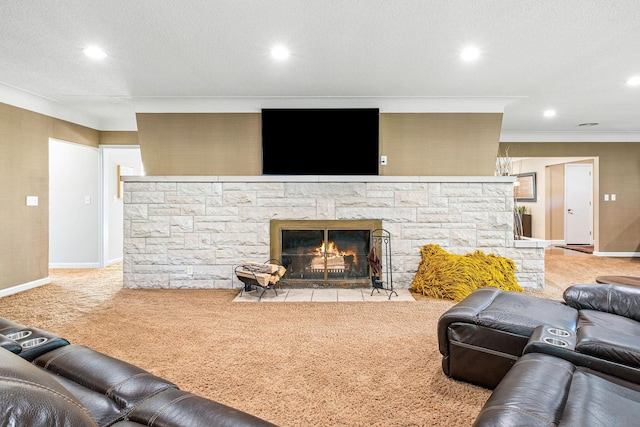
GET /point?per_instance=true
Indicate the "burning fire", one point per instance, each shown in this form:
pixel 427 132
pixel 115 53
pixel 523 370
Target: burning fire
pixel 334 256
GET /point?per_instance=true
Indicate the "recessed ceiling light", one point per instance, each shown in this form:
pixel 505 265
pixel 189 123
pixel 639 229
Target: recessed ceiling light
pixel 280 52
pixel 634 81
pixel 470 53
pixel 549 113
pixel 94 52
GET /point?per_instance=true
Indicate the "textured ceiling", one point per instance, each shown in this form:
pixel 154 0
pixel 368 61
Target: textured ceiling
pixel 570 55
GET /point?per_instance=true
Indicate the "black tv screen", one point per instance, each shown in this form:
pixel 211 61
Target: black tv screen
pixel 320 141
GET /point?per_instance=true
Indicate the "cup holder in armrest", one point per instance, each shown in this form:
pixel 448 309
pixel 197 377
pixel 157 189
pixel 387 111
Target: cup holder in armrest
pixel 555 341
pixel 552 340
pixel 558 332
pixel 20 335
pixel 34 342
pixel 27 342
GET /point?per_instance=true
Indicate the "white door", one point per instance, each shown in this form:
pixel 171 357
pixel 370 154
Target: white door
pixel 578 194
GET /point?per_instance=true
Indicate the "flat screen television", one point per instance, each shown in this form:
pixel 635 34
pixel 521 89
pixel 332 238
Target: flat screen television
pixel 320 141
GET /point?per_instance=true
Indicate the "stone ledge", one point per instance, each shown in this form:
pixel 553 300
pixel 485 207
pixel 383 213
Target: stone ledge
pixel 530 243
pixel 322 178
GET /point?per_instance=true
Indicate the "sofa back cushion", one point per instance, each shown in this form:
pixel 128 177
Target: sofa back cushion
pixel 122 382
pixel 615 299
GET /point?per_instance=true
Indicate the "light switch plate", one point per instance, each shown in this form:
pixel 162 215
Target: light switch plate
pixel 383 160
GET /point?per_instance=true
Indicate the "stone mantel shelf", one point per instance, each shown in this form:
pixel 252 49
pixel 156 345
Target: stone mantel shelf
pixel 322 178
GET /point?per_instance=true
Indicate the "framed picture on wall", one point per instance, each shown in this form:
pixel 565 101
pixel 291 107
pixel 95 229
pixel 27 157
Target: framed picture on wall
pixel 525 187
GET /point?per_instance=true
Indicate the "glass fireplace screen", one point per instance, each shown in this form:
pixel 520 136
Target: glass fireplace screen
pixel 325 255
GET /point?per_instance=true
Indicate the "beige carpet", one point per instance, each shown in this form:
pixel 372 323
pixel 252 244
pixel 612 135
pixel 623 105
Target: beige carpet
pixel 294 364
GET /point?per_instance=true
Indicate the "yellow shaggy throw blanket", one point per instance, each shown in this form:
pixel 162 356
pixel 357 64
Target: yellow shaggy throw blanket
pixel 448 276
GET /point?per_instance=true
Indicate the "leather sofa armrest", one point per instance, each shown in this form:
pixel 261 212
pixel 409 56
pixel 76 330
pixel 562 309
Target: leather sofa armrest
pixel 32 341
pixel 615 299
pixel 466 310
pixel 9 344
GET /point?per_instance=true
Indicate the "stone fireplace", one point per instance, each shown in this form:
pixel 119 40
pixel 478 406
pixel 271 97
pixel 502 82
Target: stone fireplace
pixel 323 252
pixel 191 231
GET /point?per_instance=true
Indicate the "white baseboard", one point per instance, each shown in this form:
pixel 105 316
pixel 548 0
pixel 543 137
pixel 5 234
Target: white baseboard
pixel 618 254
pixel 24 287
pixel 556 242
pixel 113 261
pixel 75 265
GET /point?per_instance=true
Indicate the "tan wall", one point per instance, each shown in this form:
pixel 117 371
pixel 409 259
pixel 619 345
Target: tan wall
pixel 230 144
pixel 439 143
pixel 201 144
pixel 24 171
pixel 71 132
pixel 118 138
pixel 618 223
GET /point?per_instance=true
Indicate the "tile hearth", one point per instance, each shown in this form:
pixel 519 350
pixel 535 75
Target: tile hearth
pixel 324 295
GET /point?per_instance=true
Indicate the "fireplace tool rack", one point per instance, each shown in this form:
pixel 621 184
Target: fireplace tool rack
pixel 380 262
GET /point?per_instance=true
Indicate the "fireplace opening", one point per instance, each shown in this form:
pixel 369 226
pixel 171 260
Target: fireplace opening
pixel 323 253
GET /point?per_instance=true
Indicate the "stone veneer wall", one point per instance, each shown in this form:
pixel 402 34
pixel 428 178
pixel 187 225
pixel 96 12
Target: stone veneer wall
pixel 190 232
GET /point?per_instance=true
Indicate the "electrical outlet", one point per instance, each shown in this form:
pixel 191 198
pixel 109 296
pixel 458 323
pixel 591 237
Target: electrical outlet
pixel 189 269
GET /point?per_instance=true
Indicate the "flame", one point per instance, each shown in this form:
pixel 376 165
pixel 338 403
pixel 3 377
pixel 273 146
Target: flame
pixel 331 251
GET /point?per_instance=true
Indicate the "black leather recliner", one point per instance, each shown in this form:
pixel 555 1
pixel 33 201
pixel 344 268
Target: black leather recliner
pixel 596 326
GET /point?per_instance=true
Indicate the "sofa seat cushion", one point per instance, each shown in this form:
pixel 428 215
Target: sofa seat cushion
pixel 609 344
pixel 522 313
pixel 609 321
pixel 599 400
pixel 512 312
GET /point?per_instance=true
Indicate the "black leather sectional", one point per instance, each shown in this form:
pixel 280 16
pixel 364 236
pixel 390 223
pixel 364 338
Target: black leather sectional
pixel 46 381
pixel 570 362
